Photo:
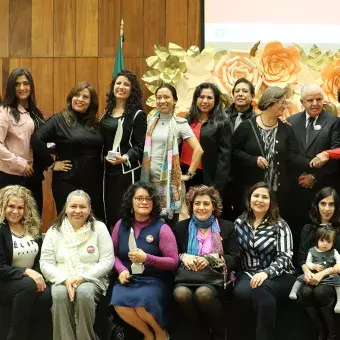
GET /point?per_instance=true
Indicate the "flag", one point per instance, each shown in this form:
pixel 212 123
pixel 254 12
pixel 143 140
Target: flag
pixel 119 62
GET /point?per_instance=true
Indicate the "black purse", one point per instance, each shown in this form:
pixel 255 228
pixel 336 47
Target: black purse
pixel 214 274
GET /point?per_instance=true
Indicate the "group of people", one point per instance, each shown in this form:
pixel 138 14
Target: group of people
pixel 136 175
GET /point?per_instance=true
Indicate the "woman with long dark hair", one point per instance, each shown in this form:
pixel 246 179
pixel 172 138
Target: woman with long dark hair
pixel 123 126
pixel 19 119
pixel 319 299
pixel 213 129
pixel 78 147
pixel 146 254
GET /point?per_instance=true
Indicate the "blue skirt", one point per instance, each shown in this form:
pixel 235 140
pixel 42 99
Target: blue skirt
pixel 145 291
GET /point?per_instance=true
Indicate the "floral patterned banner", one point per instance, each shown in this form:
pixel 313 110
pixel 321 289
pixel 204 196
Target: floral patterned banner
pixel 288 67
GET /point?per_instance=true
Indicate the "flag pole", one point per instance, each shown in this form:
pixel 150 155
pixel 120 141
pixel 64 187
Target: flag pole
pixel 119 62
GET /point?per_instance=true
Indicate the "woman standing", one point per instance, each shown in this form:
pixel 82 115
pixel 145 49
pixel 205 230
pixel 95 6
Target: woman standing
pixel 213 129
pixel 205 240
pixel 19 118
pixel 76 256
pixel 78 144
pixel 161 166
pixel 22 287
pixel 142 299
pixel 266 259
pixel 319 299
pixel 123 127
pixel 263 148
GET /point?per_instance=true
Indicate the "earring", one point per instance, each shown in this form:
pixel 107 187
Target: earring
pixel 131 211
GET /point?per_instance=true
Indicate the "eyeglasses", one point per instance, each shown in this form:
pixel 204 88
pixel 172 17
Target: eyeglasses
pixel 140 199
pixel 283 102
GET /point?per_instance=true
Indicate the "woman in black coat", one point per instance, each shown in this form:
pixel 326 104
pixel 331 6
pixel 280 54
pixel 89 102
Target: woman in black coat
pixel 200 239
pixel 213 129
pixel 22 287
pixel 263 148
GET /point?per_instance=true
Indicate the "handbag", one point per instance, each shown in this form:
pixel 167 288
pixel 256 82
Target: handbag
pixel 214 274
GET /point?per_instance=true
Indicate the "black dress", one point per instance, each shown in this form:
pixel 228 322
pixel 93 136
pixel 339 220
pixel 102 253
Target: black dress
pixel 83 148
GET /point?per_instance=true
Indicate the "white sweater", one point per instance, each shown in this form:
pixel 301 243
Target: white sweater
pixel 96 256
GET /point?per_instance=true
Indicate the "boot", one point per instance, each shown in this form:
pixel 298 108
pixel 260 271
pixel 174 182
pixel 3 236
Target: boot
pixel 314 316
pixel 328 317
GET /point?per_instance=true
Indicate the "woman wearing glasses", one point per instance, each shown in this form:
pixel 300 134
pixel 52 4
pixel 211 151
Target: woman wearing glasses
pixel 264 146
pixel 146 254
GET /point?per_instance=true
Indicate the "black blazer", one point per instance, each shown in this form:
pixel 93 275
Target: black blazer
pixel 233 113
pixel 328 137
pixel 217 154
pixel 229 241
pixel 245 151
pixel 7 272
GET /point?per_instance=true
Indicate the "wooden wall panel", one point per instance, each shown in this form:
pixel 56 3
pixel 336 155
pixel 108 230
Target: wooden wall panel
pixel 132 13
pixel 20 27
pixel 4 75
pixel 42 28
pixel 109 24
pixel 177 22
pixel 87 70
pixel 194 22
pixel 20 63
pixel 86 28
pixel 4 28
pixel 64 79
pixel 49 209
pixel 43 72
pixel 64 28
pixel 154 30
pixel 105 66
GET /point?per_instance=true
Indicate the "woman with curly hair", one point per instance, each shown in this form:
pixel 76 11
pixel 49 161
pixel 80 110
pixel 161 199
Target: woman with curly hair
pixel 203 240
pixel 123 126
pixel 142 296
pixel 78 145
pixel 76 256
pixel 319 299
pixel 22 287
pixel 19 119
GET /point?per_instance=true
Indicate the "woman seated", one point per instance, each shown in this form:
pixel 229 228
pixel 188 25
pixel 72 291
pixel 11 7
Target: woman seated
pixel 22 287
pixel 146 256
pixel 317 298
pixel 76 256
pixel 203 239
pixel 266 259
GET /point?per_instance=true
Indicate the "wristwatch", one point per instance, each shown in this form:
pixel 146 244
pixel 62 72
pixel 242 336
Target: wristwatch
pixel 190 174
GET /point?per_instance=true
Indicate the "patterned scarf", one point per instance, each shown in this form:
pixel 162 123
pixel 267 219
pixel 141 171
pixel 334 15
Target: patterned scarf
pixel 170 177
pixel 216 243
pixel 73 238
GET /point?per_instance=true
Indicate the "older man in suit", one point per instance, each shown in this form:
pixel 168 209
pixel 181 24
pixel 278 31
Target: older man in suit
pixel 316 130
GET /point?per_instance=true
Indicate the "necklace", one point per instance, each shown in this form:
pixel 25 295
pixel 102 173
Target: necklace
pixel 203 231
pixel 17 235
pixel 268 126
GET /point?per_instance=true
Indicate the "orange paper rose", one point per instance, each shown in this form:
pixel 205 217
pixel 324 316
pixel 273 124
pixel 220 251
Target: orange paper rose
pixel 331 81
pixel 279 65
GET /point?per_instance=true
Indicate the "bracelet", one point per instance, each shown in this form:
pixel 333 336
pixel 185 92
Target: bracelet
pixel 190 174
pixel 52 166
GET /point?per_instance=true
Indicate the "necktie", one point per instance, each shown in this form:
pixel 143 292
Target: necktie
pixel 309 128
pixel 238 120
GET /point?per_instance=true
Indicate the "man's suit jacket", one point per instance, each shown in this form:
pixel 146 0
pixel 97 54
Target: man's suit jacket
pixel 324 138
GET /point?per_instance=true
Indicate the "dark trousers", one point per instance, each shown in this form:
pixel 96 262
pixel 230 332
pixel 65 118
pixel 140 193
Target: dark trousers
pixel 115 187
pixel 264 300
pixel 30 316
pixel 62 188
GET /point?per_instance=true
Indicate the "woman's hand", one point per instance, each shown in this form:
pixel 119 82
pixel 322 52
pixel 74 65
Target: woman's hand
pixel 262 163
pixel 319 160
pixel 77 281
pixel 189 261
pixel 319 267
pixel 69 283
pixel 28 171
pixel 258 279
pixel 336 268
pixel 117 160
pixel 38 279
pixel 309 278
pixel 317 278
pixel 185 178
pixel 201 262
pixel 138 256
pixel 64 166
pixel 124 277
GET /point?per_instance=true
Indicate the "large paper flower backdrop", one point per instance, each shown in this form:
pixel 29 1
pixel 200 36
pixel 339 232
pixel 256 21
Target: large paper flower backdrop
pixel 288 67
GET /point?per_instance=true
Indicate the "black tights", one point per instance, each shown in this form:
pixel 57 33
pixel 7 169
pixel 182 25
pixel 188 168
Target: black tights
pixel 202 301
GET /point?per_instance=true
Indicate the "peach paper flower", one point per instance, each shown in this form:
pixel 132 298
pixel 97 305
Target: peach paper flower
pixel 279 65
pixel 331 81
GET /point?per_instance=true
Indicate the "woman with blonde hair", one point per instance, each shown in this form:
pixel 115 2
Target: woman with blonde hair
pixel 22 287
